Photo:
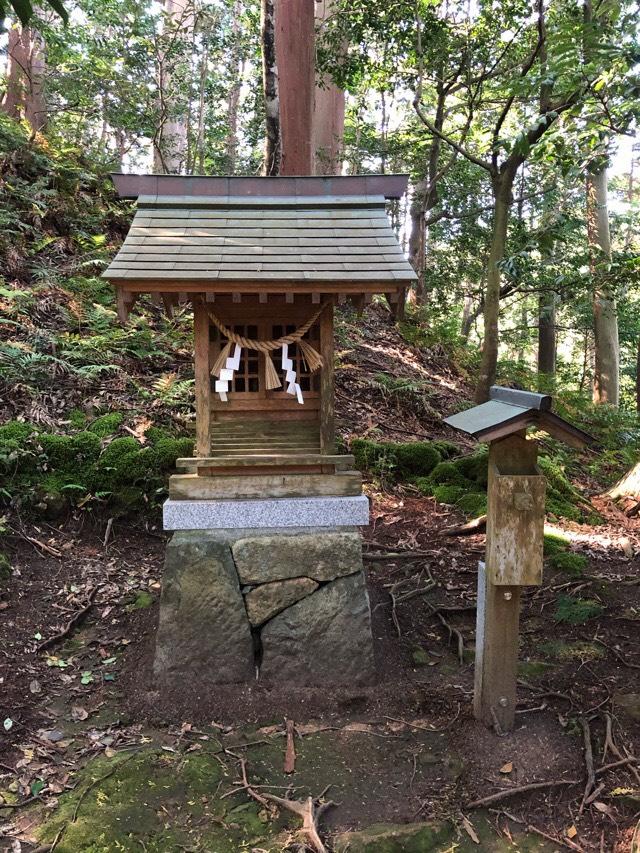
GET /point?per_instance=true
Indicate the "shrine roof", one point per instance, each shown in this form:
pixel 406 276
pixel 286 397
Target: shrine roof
pixel 330 230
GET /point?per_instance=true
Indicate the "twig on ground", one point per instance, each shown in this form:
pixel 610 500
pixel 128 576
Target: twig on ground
pixel 290 754
pixel 72 623
pixel 565 842
pixel 384 556
pixel 610 746
pixel 588 760
pixel 618 655
pixel 521 789
pixel 310 810
pixel 476 525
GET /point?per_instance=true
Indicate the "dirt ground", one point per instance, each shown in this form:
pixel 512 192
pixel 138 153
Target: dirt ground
pixel 408 747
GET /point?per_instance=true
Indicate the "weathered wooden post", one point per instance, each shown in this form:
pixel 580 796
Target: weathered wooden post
pixel 515 529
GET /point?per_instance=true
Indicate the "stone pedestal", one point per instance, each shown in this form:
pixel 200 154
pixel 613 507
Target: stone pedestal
pixel 284 604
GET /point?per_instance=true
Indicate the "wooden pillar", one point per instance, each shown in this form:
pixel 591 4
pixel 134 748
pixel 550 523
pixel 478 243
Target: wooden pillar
pixel 327 389
pixel 202 377
pixel 515 525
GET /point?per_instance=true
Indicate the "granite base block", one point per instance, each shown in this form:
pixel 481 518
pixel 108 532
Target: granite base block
pixel 350 511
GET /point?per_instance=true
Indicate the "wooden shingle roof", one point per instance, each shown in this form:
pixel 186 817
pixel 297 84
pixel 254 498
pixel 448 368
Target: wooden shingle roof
pixel 256 239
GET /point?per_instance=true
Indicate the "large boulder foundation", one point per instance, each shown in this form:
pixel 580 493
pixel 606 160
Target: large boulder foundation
pixel 280 605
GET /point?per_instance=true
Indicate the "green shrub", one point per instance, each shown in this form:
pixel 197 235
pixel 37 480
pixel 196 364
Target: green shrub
pixel 475 467
pixel 566 561
pixel 576 611
pixel 446 449
pixel 106 425
pixel 448 494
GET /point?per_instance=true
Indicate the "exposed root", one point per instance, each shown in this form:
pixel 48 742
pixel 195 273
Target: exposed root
pixel 521 789
pixel 71 624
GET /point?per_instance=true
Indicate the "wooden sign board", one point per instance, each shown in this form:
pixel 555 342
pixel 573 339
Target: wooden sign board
pixel 515 528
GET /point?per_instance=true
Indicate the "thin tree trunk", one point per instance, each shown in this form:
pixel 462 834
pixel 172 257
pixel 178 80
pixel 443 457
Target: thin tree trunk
pixel 638 376
pixel 24 94
pixel 270 86
pixel 468 317
pixel 605 316
pixel 502 195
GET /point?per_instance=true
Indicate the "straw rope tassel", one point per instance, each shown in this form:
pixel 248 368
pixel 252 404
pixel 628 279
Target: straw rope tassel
pixel 272 380
pixel 220 361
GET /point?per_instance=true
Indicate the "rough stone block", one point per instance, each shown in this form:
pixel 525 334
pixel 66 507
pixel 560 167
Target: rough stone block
pixel 323 639
pixel 265 601
pixel 203 627
pixel 318 555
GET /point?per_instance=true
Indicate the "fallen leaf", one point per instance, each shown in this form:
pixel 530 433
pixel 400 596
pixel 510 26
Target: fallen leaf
pixel 54 735
pixel 79 713
pixel 34 687
pixel 507 768
pixel 8 724
pixel 468 828
pixel 571 832
pixel 109 751
pixel 602 807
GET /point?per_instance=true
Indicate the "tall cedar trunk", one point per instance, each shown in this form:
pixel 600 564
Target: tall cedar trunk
pixel 24 95
pixel 605 317
pixel 171 142
pixel 328 114
pixel 547 333
pixel 270 86
pixel 502 197
pixel 467 317
pixel 199 153
pixel 295 59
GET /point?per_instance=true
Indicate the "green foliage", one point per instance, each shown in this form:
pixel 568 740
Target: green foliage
pixel 571 610
pixel 395 461
pixel 572 564
pixel 5 567
pixel 554 544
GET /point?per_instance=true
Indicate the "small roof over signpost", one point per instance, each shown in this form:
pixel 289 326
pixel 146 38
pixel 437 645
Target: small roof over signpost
pixel 509 411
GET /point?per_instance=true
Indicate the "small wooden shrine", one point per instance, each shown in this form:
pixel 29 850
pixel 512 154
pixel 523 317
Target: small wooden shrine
pixel 263 262
pixel 264 574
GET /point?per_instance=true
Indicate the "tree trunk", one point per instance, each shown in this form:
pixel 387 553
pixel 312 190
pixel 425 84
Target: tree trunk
pixel 24 95
pixel 638 377
pixel 270 86
pixel 547 333
pixel 502 197
pixel 605 318
pixel 328 114
pixel 237 63
pixel 468 317
pixel 628 486
pixel 171 142
pixel 295 60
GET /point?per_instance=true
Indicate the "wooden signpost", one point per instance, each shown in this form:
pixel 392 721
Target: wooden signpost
pixel 515 528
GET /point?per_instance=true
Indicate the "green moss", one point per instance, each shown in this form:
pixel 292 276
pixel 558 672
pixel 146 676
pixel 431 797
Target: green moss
pixel 446 473
pixel 446 449
pixel 107 425
pixel 420 657
pixel 415 458
pixel 16 431
pixel 169 449
pixel 77 418
pixel 122 804
pixel 576 611
pixel 473 504
pixel 533 668
pixel 142 600
pixel 5 567
pixel 554 544
pixel 563 651
pixel 448 494
pixel 424 485
pixel 475 467
pixel 376 458
pixel 573 564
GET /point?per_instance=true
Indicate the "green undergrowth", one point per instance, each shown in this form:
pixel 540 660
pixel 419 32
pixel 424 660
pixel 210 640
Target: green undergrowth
pixel 571 610
pixel 437 469
pixel 560 557
pixel 49 472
